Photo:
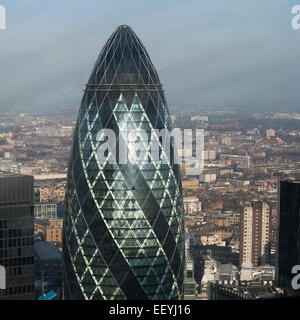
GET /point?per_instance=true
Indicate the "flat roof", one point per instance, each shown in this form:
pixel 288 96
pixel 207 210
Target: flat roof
pixel 190 198
pixel 45 251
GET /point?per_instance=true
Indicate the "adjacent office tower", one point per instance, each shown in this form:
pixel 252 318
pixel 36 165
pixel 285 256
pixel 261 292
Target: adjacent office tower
pixel 16 236
pixel 255 234
pixel 288 244
pixel 123 222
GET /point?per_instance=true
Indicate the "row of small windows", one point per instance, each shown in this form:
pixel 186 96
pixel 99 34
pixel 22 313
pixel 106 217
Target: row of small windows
pixel 3 204
pixel 13 233
pixel 17 261
pixel 20 242
pixel 3 224
pixel 13 272
pixel 19 290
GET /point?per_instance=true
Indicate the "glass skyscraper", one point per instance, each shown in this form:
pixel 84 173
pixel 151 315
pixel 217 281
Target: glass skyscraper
pixel 123 223
pixel 17 236
pixel 288 246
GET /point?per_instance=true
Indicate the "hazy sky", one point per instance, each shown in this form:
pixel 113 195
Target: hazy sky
pixel 209 52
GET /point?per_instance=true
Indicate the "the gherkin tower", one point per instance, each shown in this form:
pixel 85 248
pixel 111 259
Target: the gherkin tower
pixel 123 223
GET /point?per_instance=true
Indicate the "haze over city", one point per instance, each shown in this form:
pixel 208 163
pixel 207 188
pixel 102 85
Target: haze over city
pixel 219 53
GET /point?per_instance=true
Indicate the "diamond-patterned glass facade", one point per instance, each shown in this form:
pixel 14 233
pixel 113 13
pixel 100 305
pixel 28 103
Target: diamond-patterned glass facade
pixel 123 223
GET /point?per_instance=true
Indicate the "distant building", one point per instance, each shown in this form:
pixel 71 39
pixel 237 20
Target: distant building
pixel 16 236
pixel 211 239
pixel 208 177
pixel 191 205
pixel 173 118
pixel 54 231
pixel 199 118
pixel 225 220
pixel 228 272
pixel 226 140
pixel 210 154
pixel 225 171
pixel 37 194
pixel 270 133
pixel 255 234
pixel 215 272
pixel 50 193
pixel 254 131
pixel 243 161
pixel 262 273
pixel 49 230
pixel 189 278
pixel 238 183
pixel 29 170
pixel 45 211
pixel 233 219
pixel 46 255
pixel 191 184
pixel 211 271
pixel 289 230
pixel 48 269
pixel 248 291
pixel 40 226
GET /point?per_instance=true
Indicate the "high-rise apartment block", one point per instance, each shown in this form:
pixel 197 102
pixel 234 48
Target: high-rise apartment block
pixel 255 234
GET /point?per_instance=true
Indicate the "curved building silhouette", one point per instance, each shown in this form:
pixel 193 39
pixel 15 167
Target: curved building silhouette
pixel 123 223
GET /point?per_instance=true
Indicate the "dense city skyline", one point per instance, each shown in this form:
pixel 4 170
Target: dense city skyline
pixel 39 145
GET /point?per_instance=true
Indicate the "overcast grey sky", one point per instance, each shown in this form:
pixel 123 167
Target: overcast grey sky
pixel 207 52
